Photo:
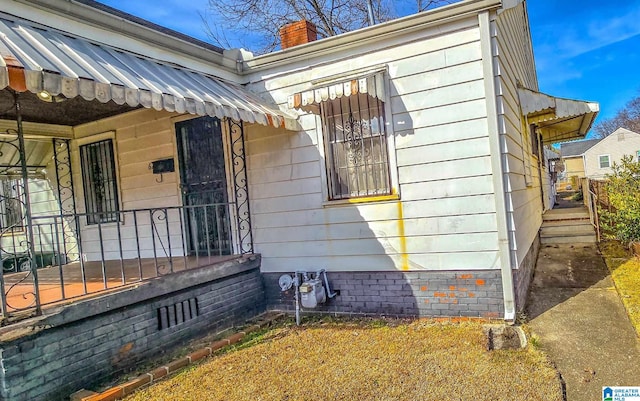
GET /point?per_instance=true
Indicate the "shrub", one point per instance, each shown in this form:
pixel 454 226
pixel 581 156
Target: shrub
pixel 623 190
pixel 578 197
pixel 574 181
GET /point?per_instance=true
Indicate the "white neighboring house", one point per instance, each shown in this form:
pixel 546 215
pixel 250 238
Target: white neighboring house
pixel 599 158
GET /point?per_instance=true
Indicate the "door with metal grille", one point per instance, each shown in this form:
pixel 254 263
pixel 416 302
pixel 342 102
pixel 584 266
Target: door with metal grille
pixel 203 180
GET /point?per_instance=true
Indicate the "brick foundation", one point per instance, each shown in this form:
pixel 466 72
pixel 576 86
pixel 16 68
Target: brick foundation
pixel 523 276
pixel 59 354
pixel 416 293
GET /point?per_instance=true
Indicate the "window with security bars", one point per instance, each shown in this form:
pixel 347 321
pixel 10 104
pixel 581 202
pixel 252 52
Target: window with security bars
pixel 11 218
pixel 357 159
pixel 100 184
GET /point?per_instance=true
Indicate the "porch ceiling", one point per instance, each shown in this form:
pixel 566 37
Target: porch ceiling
pixel 68 112
pixel 37 58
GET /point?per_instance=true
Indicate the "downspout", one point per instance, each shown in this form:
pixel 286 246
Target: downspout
pixel 491 96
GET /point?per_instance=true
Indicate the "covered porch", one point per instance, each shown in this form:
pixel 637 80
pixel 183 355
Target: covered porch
pixel 116 168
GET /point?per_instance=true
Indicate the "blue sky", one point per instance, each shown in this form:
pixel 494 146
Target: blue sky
pixel 587 49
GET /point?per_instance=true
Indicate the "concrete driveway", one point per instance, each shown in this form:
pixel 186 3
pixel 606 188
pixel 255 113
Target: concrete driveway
pixel 575 310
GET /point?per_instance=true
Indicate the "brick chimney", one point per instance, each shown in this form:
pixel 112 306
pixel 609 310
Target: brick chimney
pixel 297 33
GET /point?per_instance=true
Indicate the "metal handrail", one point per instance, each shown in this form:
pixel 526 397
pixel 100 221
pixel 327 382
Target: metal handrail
pixel 139 244
pixel 595 220
pixel 592 206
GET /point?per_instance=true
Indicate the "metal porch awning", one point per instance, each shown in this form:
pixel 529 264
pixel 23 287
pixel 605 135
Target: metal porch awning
pixel 372 85
pixel 557 119
pixel 37 58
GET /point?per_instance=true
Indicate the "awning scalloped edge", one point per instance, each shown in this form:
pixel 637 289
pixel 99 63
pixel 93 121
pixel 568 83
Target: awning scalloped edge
pixel 308 100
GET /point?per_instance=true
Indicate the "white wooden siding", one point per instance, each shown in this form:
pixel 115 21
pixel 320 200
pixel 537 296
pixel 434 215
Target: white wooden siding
pixel 513 58
pixel 445 218
pixel 140 137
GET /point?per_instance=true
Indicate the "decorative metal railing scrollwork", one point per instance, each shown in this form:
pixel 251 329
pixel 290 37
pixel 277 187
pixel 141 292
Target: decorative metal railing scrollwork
pixel 16 232
pixel 159 219
pixel 143 244
pixel 240 186
pixel 66 198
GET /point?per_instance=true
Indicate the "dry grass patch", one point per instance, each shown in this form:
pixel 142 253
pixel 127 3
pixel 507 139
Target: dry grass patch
pixel 366 360
pixel 625 271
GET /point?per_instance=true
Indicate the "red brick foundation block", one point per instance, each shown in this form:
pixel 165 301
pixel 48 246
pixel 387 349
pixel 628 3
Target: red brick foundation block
pixel 112 394
pixel 219 345
pixel 199 354
pixel 177 364
pixel 236 337
pixel 159 373
pixel 132 385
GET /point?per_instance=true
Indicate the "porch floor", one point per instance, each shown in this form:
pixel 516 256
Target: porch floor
pixel 58 284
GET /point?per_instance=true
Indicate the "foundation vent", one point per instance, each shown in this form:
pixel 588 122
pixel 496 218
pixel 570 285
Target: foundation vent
pixel 178 313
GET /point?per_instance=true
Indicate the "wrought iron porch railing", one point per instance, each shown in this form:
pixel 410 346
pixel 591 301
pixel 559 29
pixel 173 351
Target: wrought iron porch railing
pixel 70 258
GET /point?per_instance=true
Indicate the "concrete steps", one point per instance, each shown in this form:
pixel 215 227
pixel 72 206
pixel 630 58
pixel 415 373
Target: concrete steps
pixel 567 226
pixel 566 214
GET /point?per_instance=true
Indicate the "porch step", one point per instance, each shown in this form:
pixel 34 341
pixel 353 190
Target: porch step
pixel 566 228
pixel 574 239
pixel 566 214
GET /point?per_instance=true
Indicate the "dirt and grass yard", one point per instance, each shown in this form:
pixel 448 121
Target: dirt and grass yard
pixel 336 359
pixel 625 271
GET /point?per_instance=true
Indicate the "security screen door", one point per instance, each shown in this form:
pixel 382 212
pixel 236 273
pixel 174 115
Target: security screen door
pixel 203 180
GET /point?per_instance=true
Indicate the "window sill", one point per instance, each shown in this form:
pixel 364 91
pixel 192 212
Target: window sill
pixel 365 199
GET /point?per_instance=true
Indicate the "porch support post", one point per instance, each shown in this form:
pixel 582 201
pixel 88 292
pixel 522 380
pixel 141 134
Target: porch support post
pixel 27 203
pixel 240 186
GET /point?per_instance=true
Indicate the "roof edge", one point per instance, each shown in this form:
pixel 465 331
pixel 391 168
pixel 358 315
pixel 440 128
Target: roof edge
pixel 591 143
pixel 387 29
pixel 102 16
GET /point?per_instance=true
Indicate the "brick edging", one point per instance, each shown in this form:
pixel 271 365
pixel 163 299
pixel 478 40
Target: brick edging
pixel 122 390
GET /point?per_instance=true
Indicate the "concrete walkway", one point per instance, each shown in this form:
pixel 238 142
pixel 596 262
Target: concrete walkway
pixel 576 312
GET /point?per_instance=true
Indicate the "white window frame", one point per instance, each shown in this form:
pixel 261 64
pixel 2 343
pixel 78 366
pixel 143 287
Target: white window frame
pixel 79 181
pixel 354 134
pixel 391 154
pixel 600 161
pixel 527 152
